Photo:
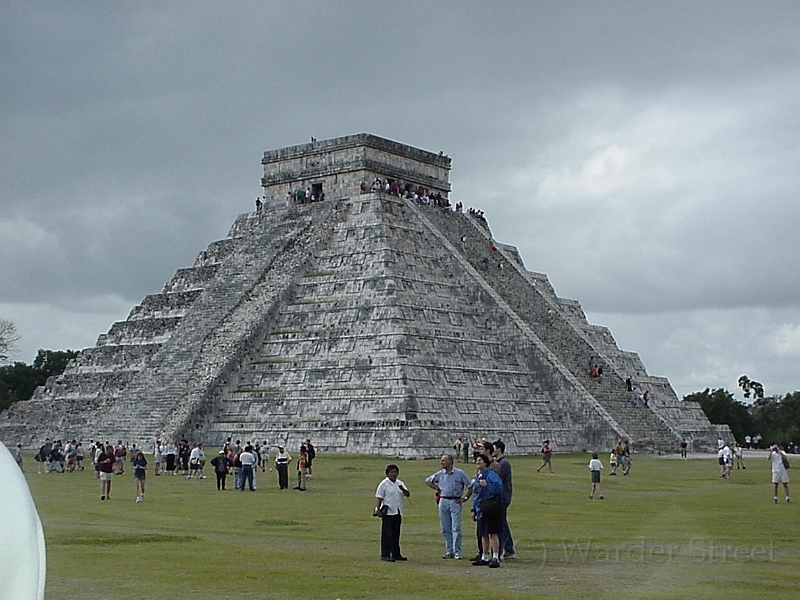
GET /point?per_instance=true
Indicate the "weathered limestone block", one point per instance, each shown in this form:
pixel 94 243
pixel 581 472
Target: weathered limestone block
pixel 366 322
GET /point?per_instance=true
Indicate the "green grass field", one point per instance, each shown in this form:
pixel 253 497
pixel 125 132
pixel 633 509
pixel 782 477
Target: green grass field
pixel 672 529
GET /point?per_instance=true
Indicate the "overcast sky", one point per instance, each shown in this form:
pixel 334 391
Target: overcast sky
pixel 644 155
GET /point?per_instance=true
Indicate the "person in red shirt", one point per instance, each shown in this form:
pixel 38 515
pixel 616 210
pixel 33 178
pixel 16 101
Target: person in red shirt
pixel 105 465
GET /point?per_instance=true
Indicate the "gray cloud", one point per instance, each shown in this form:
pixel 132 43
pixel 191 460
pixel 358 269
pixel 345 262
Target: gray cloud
pixel 643 156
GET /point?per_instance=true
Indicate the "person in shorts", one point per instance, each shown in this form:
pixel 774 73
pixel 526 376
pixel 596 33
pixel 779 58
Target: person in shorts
pixel 105 468
pixel 547 456
pixel 139 464
pixel 777 458
pixel 595 466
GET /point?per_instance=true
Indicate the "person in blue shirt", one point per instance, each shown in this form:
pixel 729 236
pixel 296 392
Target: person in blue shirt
pixel 450 484
pixel 487 506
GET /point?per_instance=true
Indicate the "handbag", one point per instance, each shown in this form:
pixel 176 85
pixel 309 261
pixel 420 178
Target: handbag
pixel 491 506
pixel 785 462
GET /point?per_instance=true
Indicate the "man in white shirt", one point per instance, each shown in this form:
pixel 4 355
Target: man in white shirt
pixel 389 506
pixel 197 461
pixel 282 460
pixel 727 457
pixel 779 474
pixel 248 460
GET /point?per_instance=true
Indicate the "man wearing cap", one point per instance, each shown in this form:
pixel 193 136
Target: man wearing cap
pixel 282 460
pixel 220 464
pixel 450 484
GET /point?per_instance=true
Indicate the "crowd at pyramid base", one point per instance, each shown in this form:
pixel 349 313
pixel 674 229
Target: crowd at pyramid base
pixel 370 323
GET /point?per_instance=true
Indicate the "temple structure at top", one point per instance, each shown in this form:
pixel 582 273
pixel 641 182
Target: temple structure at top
pixel 372 318
pixel 338 167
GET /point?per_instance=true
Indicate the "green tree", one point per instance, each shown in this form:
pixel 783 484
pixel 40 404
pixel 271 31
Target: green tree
pixel 18 380
pixel 750 386
pixel 53 362
pixel 778 419
pixel 723 409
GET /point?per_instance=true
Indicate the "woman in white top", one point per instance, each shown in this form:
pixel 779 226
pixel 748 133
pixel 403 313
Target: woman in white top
pixel 157 457
pixel 779 474
pixel 594 466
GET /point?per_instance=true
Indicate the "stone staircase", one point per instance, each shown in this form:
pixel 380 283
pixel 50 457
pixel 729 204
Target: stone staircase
pixel 149 372
pixel 368 325
pixel 561 325
pixel 376 339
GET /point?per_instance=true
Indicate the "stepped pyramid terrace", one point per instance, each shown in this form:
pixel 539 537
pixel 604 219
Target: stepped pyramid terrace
pixel 371 318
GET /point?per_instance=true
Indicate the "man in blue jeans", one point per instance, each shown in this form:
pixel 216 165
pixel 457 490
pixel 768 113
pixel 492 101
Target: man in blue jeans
pixel 450 484
pixel 504 470
pixel 248 464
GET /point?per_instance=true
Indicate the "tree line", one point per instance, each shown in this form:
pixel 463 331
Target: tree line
pixel 776 419
pixel 19 380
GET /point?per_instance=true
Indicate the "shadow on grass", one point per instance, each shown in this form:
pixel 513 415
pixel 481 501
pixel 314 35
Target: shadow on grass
pixel 119 539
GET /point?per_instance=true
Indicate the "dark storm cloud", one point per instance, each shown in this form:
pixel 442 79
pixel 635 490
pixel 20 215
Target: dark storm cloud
pixel 642 155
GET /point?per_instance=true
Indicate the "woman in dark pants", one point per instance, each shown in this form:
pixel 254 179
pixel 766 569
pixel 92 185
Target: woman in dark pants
pixel 220 464
pixel 487 511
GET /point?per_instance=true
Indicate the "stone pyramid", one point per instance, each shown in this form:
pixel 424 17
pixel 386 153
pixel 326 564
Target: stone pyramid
pixel 368 321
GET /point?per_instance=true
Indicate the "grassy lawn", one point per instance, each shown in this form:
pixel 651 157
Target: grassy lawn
pixel 672 529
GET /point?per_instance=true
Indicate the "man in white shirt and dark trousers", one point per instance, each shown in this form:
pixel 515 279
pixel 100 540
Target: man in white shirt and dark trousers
pixel 248 460
pixel 389 507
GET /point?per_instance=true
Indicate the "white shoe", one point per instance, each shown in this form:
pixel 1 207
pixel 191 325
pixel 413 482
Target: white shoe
pixel 138 498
